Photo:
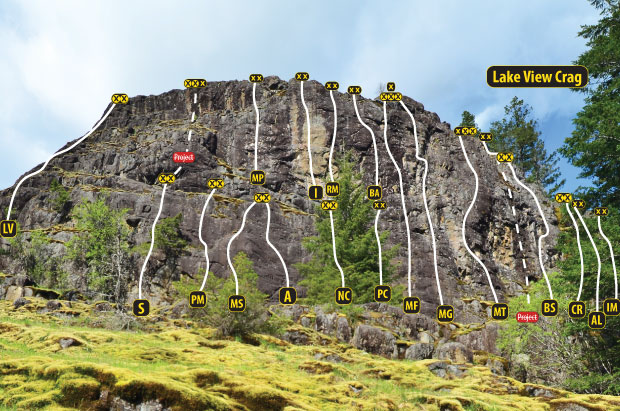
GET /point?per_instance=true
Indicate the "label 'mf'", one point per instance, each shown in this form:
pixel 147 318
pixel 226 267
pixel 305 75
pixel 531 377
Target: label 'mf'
pixel 288 295
pixel 344 295
pixel 445 313
pixel 236 303
pixel 411 305
pixel 197 299
pixel 499 311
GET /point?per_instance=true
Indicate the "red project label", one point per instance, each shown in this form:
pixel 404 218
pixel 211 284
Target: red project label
pixel 527 316
pixel 183 157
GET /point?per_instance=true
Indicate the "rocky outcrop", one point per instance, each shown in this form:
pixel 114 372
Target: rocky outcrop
pixel 374 340
pixel 136 142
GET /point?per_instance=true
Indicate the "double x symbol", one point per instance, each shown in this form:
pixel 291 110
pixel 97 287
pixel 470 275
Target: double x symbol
pixel 505 157
pixel 329 205
pixel 486 136
pixel 215 183
pixel 354 90
pixel 379 205
pixel 601 211
pixel 391 86
pixel 301 76
pixel 120 98
pixel 195 83
pixel 579 204
pixel 262 197
pixel 256 78
pixel 332 85
pixel 166 178
pixel 563 197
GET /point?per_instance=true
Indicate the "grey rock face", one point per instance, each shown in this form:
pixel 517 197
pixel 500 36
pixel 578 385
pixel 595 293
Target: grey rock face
pixel 419 351
pixel 136 142
pixel 20 302
pixel 374 340
pixel 455 352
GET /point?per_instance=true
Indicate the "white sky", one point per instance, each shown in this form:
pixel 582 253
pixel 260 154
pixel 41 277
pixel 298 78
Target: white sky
pixel 61 60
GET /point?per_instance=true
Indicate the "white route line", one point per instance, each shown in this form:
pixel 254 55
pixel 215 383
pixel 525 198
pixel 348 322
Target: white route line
pixel 402 195
pixel 257 125
pixel 520 245
pixel 92 130
pixel 540 254
pixel 428 214
pixel 510 193
pixel 271 245
pixel 148 256
pixel 232 268
pixel 374 143
pixel 177 170
pixel 202 216
pixel 598 257
pixel 514 212
pixel 195 98
pixel 523 261
pixel 491 153
pixel 473 201
pixel 307 122
pixel 579 247
pixel 189 136
pixel 504 175
pixel 193 116
pixel 611 253
pixel 331 175
pixel 527 284
pixel 517 227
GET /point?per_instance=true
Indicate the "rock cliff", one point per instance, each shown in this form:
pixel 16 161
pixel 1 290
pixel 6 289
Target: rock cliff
pixel 137 141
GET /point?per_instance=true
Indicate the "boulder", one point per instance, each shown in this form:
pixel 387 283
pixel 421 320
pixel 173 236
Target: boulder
pixel 374 340
pixel 53 305
pixel 455 352
pixel 20 302
pixel 343 330
pixel 419 351
pixel 68 342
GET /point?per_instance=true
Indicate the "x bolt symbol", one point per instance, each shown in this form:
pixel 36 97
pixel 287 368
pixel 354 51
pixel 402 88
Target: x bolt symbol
pixel 579 204
pixel 262 197
pixel 166 178
pixel 256 78
pixel 505 157
pixel 563 197
pixel 329 205
pixel 391 86
pixel 215 183
pixel 120 98
pixel 301 76
pixel 379 205
pixel 486 136
pixel 332 85
pixel 601 211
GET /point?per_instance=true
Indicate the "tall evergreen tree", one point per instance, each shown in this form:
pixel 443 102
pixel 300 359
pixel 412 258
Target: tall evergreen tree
pixel 355 243
pixel 518 133
pixel 594 145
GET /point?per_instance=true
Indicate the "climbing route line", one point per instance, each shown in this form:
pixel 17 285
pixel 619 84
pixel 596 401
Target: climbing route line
pixel 148 255
pixel 232 268
pixel 471 206
pixel 272 246
pixel 257 125
pixel 598 257
pixel 514 213
pixel 540 252
pixel 331 176
pixel 374 143
pixel 92 130
pixel 428 214
pixel 611 254
pixel 301 87
pixel 402 194
pixel 579 247
pixel 202 217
